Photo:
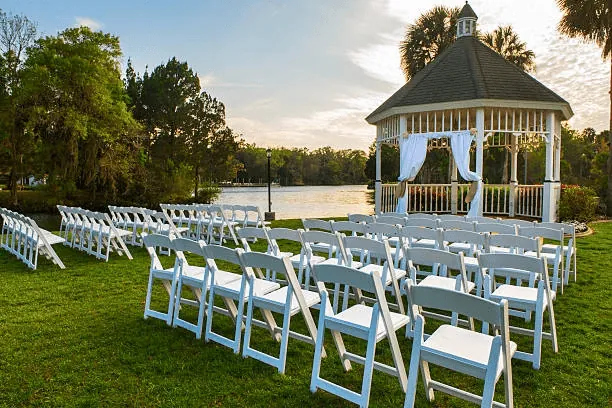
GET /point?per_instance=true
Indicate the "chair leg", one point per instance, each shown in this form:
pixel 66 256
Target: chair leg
pixel 537 335
pixel 427 380
pixel 368 370
pixel 553 327
pixel 316 364
pixel 284 342
pixel 148 298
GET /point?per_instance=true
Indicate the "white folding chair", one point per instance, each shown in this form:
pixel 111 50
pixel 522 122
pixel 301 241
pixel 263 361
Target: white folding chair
pixel 476 354
pixel 157 271
pixel 392 234
pixel 376 256
pixel 288 301
pixel 421 237
pixel 569 250
pixel 526 299
pixel 391 219
pixel 554 258
pixel 233 291
pixel 442 264
pixel 370 323
pixel 319 225
pixel 456 225
pixel 217 224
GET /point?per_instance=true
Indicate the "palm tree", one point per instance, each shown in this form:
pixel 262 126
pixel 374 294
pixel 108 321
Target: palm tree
pixel 592 21
pixel 507 43
pixel 424 40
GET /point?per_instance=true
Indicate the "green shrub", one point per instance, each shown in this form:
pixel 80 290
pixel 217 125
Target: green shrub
pixel 577 203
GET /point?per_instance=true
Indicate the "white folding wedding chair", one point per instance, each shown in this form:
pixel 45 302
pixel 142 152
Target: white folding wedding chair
pixel 217 225
pixel 554 258
pixel 521 298
pixel 232 291
pixel 288 301
pixel 370 323
pixel 319 225
pixel 447 272
pixel 376 256
pixel 421 237
pixel 299 260
pixel 569 250
pixel 392 234
pixel 470 244
pixel 157 271
pixel 254 218
pixel 193 277
pixel 479 355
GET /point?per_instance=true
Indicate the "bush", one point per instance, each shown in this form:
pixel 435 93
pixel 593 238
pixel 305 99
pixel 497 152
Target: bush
pixel 577 203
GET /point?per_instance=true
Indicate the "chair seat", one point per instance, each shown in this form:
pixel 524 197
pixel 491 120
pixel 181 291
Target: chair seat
pixel 469 347
pixel 521 294
pixel 369 268
pixel 262 287
pixel 356 321
pixel 424 243
pixel 444 283
pixel 278 298
pixel 284 254
pixel 499 250
pixel 321 247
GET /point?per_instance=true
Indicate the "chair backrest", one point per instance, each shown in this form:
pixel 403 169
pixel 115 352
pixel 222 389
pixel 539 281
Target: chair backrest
pixel 421 222
pixel 516 243
pixel 431 257
pixel 519 267
pixel 370 248
pixel 215 253
pixel 261 261
pixel 366 281
pixel 455 301
pixel 496 227
pixel 152 241
pixel 567 228
pixel 188 245
pixel 518 222
pixel 476 239
pixel 391 219
pixel 275 234
pixel 316 224
pixel 542 232
pixel 354 228
pixel 484 220
pixel 362 218
pixel 334 240
pixel 456 225
pixel 379 231
pixel 416 233
pixel 247 233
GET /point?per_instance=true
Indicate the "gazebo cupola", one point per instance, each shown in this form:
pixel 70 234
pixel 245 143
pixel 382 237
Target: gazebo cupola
pixel 466 21
pixel 471 88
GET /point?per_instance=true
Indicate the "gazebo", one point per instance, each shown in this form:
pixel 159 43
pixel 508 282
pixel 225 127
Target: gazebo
pixel 471 88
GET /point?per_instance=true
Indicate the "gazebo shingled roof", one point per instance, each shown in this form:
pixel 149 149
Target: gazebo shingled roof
pixel 467 11
pixel 468 70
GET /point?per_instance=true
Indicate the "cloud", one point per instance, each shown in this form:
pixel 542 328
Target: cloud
pixel 88 22
pixel 210 80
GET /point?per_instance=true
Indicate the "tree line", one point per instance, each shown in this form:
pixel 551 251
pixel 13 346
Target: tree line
pixel 68 116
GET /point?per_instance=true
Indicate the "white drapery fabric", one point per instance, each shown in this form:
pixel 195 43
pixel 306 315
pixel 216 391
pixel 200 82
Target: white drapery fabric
pixel 413 150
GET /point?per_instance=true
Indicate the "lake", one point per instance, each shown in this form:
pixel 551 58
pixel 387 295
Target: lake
pixel 304 201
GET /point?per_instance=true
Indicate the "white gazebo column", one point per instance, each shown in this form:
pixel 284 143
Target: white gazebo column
pixel 454 185
pixel 557 173
pixel 514 149
pixel 378 181
pixel 549 201
pixel 480 120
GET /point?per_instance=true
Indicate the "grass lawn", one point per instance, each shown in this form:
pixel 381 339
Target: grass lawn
pixel 77 338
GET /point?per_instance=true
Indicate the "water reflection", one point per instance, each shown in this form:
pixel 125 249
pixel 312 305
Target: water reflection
pixel 304 201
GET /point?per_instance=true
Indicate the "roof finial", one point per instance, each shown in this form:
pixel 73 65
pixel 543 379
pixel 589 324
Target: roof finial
pixel 466 21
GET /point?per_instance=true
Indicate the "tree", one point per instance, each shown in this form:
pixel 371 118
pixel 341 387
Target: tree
pixel 507 43
pixel 592 21
pixel 424 40
pixel 436 29
pixel 16 34
pixel 79 110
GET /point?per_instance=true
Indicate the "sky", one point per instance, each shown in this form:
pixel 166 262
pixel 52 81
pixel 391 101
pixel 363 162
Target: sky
pixel 306 73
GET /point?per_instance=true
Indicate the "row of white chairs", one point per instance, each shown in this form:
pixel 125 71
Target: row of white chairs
pixel 449 221
pixel 479 354
pixel 92 232
pixel 22 237
pixel 212 223
pixel 139 219
pixel 559 254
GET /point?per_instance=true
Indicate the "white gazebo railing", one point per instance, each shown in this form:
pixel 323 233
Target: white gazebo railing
pixel 498 199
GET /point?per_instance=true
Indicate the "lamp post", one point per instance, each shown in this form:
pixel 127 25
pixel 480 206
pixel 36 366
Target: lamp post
pixel 269 215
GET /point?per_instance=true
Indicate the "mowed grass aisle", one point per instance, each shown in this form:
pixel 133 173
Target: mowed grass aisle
pixel 77 338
